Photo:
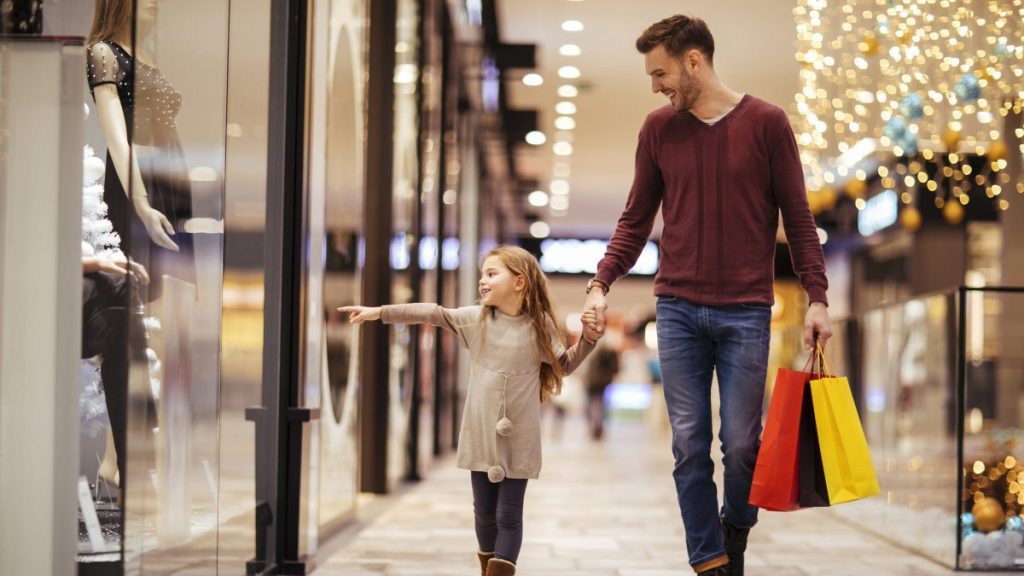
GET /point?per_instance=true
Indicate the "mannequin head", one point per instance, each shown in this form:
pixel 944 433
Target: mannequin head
pixel 113 19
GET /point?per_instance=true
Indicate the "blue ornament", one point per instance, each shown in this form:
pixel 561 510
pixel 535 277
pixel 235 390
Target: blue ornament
pixel 908 143
pixel 967 519
pixel 894 129
pixel 912 106
pixel 1014 523
pixel 967 88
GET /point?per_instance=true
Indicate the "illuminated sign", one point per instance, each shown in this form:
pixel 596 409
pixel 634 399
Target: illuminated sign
pixel 880 212
pixel 401 252
pixel 570 256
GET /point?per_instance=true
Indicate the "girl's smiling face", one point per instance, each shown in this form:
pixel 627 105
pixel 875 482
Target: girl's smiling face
pixel 499 287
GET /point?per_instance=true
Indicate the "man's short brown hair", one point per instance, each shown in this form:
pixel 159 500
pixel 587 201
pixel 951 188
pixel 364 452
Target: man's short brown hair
pixel 678 34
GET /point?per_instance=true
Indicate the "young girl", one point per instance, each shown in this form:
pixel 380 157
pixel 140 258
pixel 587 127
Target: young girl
pixel 518 358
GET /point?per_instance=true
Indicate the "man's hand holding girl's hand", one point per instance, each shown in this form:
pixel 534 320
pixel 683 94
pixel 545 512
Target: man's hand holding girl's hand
pixel 590 323
pixel 360 314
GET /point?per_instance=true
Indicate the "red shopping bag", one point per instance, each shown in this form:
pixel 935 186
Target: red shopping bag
pixel 776 484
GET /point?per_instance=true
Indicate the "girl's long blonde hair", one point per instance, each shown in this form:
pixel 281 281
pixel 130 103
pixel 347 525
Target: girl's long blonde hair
pixel 535 302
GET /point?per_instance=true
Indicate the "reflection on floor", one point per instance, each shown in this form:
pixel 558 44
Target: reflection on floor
pixel 603 509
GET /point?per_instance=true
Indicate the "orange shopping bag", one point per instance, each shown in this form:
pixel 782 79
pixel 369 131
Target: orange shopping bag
pixel 776 484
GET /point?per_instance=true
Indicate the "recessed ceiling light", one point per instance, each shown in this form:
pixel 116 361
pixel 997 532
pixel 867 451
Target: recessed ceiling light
pixel 533 79
pixel 569 72
pixel 559 187
pixel 568 91
pixel 565 123
pixel 562 148
pixel 572 26
pixel 536 137
pixel 560 203
pixel 569 50
pixel 565 108
pixel 540 229
pixel 538 198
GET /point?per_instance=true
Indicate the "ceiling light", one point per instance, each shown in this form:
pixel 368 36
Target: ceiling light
pixel 565 108
pixel 568 91
pixel 572 26
pixel 538 198
pixel 540 229
pixel 565 123
pixel 562 148
pixel 536 137
pixel 569 72
pixel 533 79
pixel 560 203
pixel 559 187
pixel 569 50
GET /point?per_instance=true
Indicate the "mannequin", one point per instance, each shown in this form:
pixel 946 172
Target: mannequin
pixel 147 185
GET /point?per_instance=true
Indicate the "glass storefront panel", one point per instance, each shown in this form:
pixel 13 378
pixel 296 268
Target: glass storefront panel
pixel 337 164
pixel 167 203
pixel 992 503
pixel 407 244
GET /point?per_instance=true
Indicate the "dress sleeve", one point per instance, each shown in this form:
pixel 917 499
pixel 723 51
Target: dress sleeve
pixel 461 321
pixel 103 66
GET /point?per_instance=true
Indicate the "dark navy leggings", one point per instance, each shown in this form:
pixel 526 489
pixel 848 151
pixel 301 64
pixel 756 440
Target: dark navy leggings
pixel 498 510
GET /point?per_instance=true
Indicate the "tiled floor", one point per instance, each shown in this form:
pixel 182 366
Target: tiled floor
pixel 601 510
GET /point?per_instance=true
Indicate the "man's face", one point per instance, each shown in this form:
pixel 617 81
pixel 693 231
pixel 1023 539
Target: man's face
pixel 671 77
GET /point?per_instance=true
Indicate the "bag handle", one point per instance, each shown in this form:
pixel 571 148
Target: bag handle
pixel 825 371
pixel 816 361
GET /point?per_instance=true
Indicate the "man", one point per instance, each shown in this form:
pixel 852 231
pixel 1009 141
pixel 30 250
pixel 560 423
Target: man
pixel 720 165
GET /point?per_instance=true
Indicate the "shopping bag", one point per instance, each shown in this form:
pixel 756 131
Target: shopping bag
pixel 813 489
pixel 776 482
pixel 849 473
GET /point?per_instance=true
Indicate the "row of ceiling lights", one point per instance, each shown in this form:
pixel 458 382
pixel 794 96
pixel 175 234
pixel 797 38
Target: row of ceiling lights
pixel 557 197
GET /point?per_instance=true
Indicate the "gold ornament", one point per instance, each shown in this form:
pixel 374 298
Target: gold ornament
pixel 869 45
pixel 953 211
pixel 910 218
pixel 996 150
pixel 988 513
pixel 951 138
pixel 856 188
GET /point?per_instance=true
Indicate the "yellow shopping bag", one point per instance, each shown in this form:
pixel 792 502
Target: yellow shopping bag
pixel 849 473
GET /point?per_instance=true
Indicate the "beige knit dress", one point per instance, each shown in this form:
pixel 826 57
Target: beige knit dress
pixel 504 382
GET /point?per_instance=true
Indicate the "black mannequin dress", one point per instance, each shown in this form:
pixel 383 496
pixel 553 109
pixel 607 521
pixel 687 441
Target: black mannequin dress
pixel 151 106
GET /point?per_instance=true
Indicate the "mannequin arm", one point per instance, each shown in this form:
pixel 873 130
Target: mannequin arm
pixel 115 130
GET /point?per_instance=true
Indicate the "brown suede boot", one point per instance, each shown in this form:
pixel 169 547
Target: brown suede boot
pixel 499 567
pixel 484 557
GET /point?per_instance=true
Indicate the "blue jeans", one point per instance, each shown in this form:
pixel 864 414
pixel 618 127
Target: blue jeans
pixel 694 340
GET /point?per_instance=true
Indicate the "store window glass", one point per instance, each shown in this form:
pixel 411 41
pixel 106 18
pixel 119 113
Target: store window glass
pixel 337 168
pixel 407 241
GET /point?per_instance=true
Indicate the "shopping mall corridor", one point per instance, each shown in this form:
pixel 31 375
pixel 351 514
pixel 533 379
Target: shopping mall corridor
pixel 600 509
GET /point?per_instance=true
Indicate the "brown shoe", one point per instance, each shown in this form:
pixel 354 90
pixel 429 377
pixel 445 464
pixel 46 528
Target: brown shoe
pixel 499 567
pixel 484 557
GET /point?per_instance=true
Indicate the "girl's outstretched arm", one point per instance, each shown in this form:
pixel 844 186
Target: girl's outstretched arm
pixel 360 314
pixel 456 320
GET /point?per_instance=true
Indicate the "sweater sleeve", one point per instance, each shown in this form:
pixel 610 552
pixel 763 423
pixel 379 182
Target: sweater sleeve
pixel 634 226
pixel 571 358
pixel 457 320
pixel 801 232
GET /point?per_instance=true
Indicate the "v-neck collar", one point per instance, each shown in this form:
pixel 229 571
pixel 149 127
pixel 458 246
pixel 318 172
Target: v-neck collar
pixel 724 119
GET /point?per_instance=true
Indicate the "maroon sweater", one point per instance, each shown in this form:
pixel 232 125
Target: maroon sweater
pixel 721 188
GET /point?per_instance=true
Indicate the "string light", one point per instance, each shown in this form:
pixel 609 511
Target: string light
pixel 939 83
